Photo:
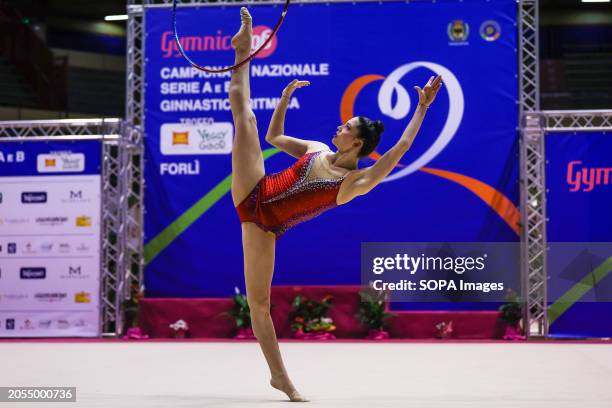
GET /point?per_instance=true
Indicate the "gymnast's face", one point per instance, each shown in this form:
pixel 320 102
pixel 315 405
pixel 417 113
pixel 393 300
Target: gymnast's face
pixel 346 136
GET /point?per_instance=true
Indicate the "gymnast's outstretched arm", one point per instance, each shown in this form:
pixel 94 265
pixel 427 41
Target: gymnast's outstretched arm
pixel 366 179
pixel 275 135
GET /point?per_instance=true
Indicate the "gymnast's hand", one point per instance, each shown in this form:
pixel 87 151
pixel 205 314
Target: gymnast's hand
pixel 293 85
pixel 428 94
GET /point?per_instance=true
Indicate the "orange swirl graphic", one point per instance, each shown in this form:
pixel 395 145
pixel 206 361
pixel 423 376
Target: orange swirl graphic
pixel 498 202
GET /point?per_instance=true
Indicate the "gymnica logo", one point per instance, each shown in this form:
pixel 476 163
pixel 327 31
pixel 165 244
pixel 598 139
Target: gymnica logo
pixel 391 87
pixel 216 42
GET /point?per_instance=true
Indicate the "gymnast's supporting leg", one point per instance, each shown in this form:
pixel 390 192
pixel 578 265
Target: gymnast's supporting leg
pixel 259 252
pixel 258 245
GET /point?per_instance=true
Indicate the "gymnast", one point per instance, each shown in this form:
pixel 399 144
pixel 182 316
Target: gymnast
pixel 320 179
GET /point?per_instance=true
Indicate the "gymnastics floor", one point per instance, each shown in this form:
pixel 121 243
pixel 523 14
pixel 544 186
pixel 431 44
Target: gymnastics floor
pixel 210 374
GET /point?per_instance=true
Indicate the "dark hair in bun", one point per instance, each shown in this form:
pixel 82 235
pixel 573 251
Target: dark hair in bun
pixel 369 131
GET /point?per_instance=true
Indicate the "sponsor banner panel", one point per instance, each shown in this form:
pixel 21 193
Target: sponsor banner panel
pixel 50 206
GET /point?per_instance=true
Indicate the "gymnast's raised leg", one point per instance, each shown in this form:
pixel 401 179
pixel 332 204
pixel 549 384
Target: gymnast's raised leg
pixel 258 245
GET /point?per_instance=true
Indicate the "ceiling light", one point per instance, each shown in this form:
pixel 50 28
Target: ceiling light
pixel 120 17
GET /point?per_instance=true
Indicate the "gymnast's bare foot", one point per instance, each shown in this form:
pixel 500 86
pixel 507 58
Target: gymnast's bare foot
pixel 241 42
pixel 284 384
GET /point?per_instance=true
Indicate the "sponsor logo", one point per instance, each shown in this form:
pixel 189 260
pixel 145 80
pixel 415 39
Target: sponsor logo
pixel 50 296
pixel 34 197
pixel 60 162
pixel 33 273
pixel 27 325
pixel 28 249
pixel 76 196
pixel 79 323
pixel 13 296
pixel 82 297
pixel 51 221
pixel 490 30
pixel 216 42
pixel 458 32
pixel 74 272
pixel 16 157
pixel 11 248
pixel 82 248
pixel 199 138
pixel 261 34
pixel 14 221
pixel 64 247
pixel 46 247
pixel 180 138
pixel 83 221
pixel 10 324
pixel 586 179
pixel 63 324
pixel 44 324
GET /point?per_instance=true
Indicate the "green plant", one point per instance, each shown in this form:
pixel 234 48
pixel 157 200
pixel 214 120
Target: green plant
pixel 310 315
pixel 240 311
pixel 131 305
pixel 512 310
pixel 372 309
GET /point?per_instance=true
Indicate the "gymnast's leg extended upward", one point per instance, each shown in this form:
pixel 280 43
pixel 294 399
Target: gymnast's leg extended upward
pixel 258 245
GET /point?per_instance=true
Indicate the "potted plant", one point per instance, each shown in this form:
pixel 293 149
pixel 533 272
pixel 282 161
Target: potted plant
pixel 180 329
pixel 372 313
pixel 444 330
pixel 511 315
pixel 131 310
pixel 309 319
pixel 242 316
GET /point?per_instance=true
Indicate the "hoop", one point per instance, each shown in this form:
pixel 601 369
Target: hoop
pixel 250 57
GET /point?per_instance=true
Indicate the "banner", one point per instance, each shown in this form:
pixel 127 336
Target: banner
pixel 579 234
pixel 50 194
pixel 458 182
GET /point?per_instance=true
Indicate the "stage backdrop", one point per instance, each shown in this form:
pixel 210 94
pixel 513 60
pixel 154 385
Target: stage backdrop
pixel 579 234
pixel 457 183
pixel 50 239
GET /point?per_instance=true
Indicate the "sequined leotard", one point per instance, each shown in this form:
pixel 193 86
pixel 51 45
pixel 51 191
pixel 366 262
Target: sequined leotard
pixel 281 200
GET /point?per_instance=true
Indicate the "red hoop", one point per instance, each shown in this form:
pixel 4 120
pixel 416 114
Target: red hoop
pixel 250 57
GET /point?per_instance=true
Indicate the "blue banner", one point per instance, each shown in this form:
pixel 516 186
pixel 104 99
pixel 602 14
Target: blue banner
pixel 458 182
pixel 579 234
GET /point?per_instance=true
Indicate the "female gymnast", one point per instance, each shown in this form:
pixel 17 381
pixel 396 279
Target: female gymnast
pixel 320 179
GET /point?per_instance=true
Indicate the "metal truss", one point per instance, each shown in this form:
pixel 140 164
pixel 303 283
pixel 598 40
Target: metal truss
pixel 572 121
pixel 533 217
pixel 535 127
pixel 529 67
pixel 65 127
pixel 533 231
pixel 119 143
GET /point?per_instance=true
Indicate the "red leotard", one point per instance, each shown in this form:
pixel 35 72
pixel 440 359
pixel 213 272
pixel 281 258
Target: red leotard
pixel 281 200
